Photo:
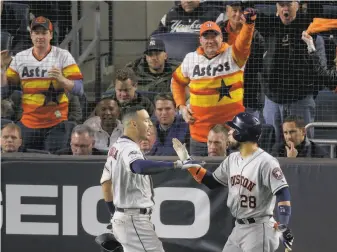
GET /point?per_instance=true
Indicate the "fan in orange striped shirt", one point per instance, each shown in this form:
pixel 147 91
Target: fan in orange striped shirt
pixel 214 75
pixel 46 74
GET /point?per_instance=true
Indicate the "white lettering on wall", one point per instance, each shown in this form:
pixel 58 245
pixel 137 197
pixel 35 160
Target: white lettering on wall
pixel 69 210
pixel 70 200
pixel 14 210
pixel 202 208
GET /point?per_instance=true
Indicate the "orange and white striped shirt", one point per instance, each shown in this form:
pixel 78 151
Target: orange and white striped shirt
pixel 215 85
pixel 44 101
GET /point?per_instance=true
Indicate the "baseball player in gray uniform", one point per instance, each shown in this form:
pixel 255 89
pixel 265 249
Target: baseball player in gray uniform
pixel 255 183
pixel 127 185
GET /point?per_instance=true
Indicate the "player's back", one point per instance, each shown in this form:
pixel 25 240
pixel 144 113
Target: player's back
pixel 252 182
pixel 130 190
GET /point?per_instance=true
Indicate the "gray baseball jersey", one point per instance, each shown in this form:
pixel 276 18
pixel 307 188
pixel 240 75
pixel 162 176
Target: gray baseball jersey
pixel 252 183
pixel 130 190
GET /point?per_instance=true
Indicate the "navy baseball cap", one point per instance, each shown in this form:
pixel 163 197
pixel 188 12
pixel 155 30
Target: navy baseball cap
pixel 155 44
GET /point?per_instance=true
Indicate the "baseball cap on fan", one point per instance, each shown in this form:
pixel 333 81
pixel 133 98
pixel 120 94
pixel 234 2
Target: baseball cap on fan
pixel 209 26
pixel 155 44
pixel 234 3
pixel 42 22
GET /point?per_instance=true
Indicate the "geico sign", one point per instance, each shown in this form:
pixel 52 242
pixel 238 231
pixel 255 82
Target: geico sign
pixel 88 209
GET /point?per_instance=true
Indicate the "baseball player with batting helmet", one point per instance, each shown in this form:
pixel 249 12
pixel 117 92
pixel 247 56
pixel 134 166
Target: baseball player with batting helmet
pixel 127 184
pixel 255 181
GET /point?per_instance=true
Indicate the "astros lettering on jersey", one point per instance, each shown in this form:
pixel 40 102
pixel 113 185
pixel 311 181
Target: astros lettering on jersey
pixel 44 101
pixel 216 84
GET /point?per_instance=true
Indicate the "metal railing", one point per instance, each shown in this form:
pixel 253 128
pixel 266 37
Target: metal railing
pixel 94 46
pixel 328 142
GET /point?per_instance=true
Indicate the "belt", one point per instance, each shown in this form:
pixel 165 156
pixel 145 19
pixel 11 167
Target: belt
pixel 246 221
pixel 134 210
pixel 255 220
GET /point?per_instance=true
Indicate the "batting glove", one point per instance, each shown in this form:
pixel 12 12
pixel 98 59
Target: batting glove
pixel 189 163
pixel 250 15
pixel 180 149
pixel 287 237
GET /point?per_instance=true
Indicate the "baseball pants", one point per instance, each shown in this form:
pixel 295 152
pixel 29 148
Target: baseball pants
pixel 136 233
pixel 255 237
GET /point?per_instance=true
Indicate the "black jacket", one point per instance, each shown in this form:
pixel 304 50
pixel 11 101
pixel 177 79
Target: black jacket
pixel 328 77
pixel 177 20
pixel 306 149
pixel 138 100
pixel 253 68
pixel 288 73
pixel 67 151
pixel 150 82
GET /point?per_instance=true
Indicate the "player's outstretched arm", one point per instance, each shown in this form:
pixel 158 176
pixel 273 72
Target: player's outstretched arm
pixel 200 174
pixel 284 212
pixel 149 167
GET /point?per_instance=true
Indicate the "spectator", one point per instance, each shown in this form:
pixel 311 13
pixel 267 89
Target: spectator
pixel 146 145
pixel 289 83
pixel 217 141
pixel 296 142
pixel 252 82
pixel 45 73
pixel 11 139
pixel 154 70
pixel 169 125
pixel 328 77
pixel 105 124
pixel 214 75
pixel 124 92
pixel 82 143
pixel 187 17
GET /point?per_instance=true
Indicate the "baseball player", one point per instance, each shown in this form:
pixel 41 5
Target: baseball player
pixel 254 180
pixel 127 185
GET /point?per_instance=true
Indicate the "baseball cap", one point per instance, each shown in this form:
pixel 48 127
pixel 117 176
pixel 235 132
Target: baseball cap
pixel 234 3
pixel 155 44
pixel 42 21
pixel 209 26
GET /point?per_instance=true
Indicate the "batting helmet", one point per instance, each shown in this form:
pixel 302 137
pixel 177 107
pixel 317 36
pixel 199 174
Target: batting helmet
pixel 108 243
pixel 247 128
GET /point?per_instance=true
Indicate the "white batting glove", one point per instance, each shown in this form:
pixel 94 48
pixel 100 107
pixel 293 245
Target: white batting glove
pixel 309 41
pixel 184 165
pixel 180 149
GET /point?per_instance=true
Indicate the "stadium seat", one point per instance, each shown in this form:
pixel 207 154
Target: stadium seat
pixel 20 13
pixel 6 40
pixel 330 11
pixel 4 122
pixel 267 138
pixel 266 9
pixel 174 46
pixel 326 107
pixel 68 128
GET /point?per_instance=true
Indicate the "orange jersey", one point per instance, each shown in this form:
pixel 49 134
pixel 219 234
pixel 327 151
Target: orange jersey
pixel 216 85
pixel 44 101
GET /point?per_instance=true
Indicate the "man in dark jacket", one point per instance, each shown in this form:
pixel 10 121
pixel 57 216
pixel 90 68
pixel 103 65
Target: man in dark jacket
pixel 289 81
pixel 187 16
pixel 123 90
pixel 296 143
pixel 169 125
pixel 82 143
pixel 326 75
pixel 154 70
pixel 252 82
